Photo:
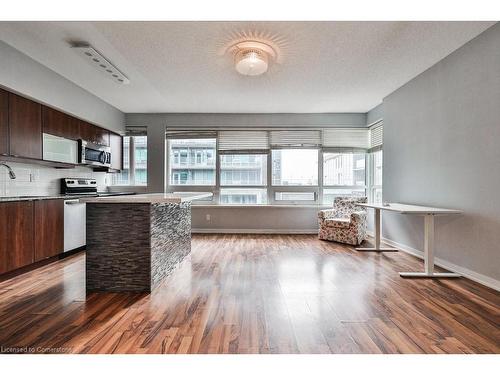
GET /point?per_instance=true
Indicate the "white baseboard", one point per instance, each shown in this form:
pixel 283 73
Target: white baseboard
pixel 465 272
pixel 254 231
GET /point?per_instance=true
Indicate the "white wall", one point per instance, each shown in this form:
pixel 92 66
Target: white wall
pixel 442 148
pixel 21 74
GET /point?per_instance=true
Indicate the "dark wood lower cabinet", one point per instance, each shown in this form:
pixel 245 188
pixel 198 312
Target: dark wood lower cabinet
pixel 49 228
pixel 30 231
pixel 16 235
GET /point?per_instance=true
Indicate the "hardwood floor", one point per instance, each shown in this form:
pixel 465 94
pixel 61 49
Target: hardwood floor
pixel 255 294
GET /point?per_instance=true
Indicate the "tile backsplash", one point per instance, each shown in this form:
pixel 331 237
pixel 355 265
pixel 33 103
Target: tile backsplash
pixel 32 179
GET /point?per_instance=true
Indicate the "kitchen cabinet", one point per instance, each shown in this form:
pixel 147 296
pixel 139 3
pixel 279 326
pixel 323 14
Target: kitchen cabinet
pixel 49 228
pixel 4 122
pixel 60 124
pixel 16 235
pixel 25 127
pixel 23 122
pixel 87 132
pixel 102 136
pixel 94 134
pixel 116 144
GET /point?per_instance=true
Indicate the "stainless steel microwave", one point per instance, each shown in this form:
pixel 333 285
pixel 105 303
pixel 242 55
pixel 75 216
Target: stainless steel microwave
pixel 94 154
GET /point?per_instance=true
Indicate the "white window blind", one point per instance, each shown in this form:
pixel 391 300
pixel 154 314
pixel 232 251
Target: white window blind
pixel 243 141
pixel 135 130
pixel 190 134
pixel 295 138
pixel 346 138
pixel 376 135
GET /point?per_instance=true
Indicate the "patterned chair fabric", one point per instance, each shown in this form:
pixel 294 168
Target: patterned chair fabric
pixel 345 222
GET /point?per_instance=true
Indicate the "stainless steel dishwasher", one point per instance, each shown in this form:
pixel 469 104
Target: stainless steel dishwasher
pixel 74 224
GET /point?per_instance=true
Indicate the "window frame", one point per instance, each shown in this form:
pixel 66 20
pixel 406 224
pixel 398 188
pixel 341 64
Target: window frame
pixel 219 170
pixel 221 186
pixel 132 162
pixel 351 187
pixel 371 182
pixel 172 188
pixel 271 189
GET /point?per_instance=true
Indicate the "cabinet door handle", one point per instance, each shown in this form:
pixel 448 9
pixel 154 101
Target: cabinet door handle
pixel 72 202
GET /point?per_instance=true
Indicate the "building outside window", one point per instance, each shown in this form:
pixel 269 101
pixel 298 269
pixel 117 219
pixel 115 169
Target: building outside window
pixel 297 175
pixel 243 196
pixel 247 170
pixel 135 174
pixel 344 175
pixel 295 167
pixel 192 162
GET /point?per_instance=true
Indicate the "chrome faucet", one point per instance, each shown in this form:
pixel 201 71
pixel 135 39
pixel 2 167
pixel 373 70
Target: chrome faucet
pixel 12 175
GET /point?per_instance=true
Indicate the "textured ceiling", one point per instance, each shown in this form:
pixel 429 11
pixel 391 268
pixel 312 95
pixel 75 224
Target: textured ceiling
pixel 178 66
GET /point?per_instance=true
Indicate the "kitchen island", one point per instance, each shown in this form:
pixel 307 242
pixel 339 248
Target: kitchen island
pixel 134 242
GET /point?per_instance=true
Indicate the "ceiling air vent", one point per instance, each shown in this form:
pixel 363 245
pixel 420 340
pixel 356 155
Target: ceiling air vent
pixel 101 63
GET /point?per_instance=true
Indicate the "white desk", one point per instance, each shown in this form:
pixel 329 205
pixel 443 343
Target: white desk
pixel 428 213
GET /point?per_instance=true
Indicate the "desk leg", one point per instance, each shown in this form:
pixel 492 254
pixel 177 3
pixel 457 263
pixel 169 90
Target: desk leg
pixel 428 254
pixel 377 236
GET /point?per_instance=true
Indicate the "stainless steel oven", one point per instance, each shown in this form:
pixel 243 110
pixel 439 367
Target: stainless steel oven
pixel 93 154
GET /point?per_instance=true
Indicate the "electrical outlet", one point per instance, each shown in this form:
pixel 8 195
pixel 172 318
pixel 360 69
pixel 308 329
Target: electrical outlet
pixel 208 217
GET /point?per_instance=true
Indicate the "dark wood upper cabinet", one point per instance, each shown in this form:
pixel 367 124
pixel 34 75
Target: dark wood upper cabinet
pixel 94 134
pixel 60 124
pixel 22 122
pixel 25 127
pixel 102 136
pixel 49 228
pixel 16 235
pixel 4 122
pixel 87 132
pixel 116 144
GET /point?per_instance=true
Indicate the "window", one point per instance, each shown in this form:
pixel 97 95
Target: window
pixel 330 194
pixel 243 170
pixel 276 166
pixel 295 196
pixel 141 160
pixel 344 174
pixel 192 162
pixel 243 196
pixel 295 167
pixel 376 176
pixel 135 160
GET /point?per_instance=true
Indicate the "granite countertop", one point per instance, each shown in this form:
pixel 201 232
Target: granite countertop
pixel 151 198
pixel 57 196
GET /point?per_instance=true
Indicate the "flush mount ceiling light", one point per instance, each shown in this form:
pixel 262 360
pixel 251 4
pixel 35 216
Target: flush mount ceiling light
pixel 100 62
pixel 252 58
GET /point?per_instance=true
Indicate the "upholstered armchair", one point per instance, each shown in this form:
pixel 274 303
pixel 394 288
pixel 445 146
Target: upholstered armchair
pixel 345 222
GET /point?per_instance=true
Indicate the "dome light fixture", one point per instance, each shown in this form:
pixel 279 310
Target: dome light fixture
pixel 252 58
pixel 251 62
